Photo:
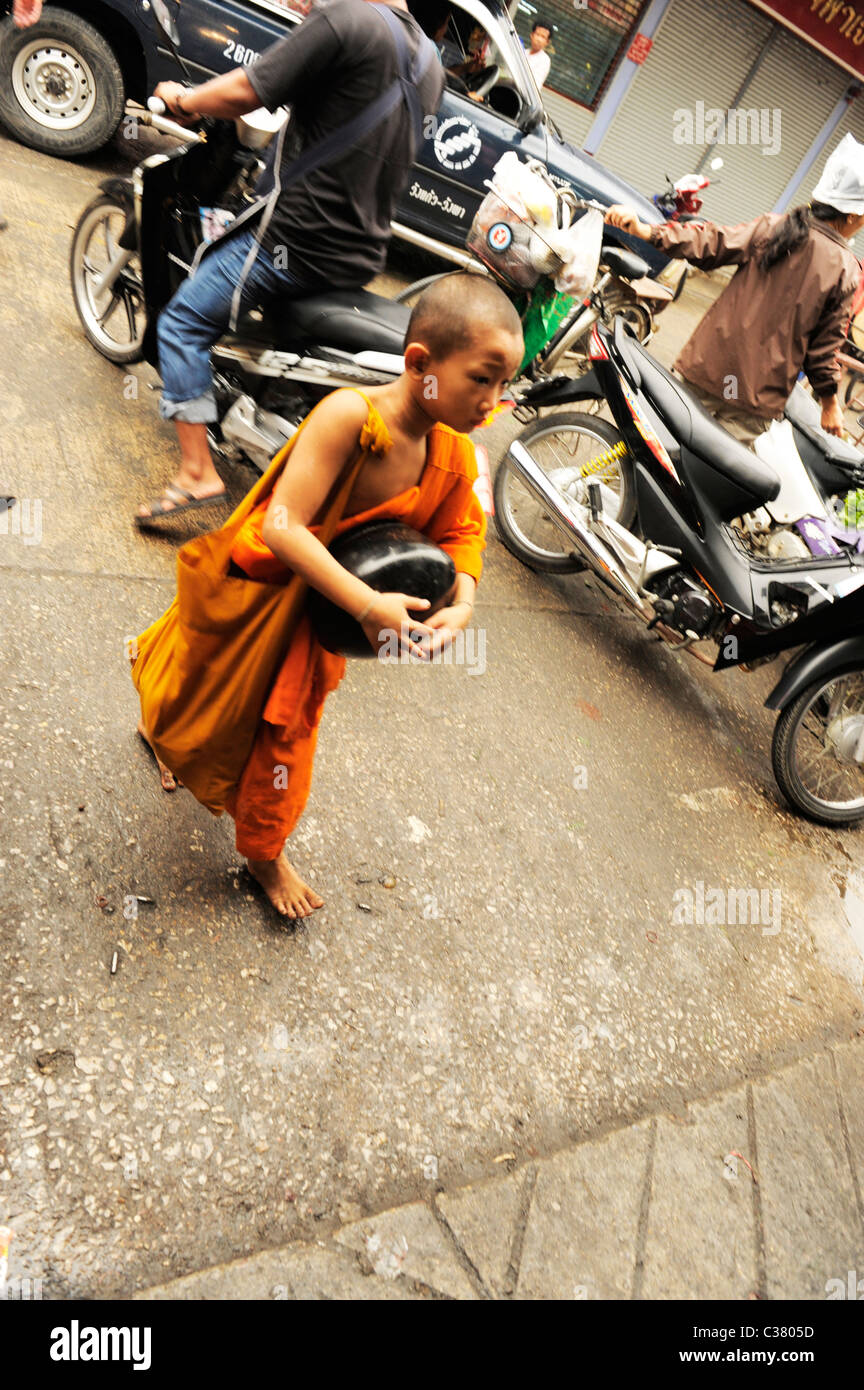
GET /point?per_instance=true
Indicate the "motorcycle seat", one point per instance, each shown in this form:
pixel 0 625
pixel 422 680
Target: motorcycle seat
pixel 350 320
pixel 693 426
pixel 625 264
pixel 804 413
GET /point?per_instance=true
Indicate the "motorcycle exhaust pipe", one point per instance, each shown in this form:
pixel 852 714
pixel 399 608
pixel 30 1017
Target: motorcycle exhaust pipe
pixel 573 528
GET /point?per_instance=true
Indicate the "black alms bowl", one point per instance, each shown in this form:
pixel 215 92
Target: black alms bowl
pixel 391 558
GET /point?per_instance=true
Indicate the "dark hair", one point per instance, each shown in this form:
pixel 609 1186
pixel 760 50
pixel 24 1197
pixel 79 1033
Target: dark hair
pixel 431 14
pixel 455 310
pixel 543 24
pixel 792 231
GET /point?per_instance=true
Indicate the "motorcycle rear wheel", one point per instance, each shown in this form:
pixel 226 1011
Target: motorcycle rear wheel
pixel 556 442
pixel 810 737
pixel 104 317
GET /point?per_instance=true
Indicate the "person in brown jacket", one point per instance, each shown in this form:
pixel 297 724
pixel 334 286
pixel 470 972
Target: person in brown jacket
pixel 785 310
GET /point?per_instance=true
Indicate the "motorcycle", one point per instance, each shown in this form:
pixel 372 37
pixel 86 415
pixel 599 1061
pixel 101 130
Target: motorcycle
pixel 680 201
pixel 135 243
pixel 652 506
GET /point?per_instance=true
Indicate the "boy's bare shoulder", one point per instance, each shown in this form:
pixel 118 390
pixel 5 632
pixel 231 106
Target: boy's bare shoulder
pixel 455 452
pixel 345 409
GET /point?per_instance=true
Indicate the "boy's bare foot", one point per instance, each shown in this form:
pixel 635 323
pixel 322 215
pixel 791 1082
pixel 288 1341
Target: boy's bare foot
pixel 170 783
pixel 284 887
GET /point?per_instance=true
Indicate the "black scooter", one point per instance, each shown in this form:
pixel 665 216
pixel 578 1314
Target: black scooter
pixel 135 244
pixel 137 241
pixel 653 508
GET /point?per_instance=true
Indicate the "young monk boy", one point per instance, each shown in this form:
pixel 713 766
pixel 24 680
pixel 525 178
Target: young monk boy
pixel 464 342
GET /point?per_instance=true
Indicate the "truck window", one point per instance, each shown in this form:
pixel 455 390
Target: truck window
pixel 475 65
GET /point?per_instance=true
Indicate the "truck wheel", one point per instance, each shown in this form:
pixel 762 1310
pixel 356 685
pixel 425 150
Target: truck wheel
pixel 61 88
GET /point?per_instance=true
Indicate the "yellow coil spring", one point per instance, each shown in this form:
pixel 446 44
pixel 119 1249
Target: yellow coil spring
pixel 604 460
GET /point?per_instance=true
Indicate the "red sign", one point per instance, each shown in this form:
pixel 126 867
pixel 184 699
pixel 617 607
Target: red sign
pixel 837 30
pixel 640 48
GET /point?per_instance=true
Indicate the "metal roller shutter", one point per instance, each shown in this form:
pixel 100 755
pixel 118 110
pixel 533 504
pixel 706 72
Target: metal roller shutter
pixel 702 53
pixel 803 87
pixel 573 121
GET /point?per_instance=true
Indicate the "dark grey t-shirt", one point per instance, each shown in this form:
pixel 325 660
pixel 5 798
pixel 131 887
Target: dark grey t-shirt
pixel 335 222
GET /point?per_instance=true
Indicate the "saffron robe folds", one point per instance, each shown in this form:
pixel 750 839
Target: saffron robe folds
pixel 274 786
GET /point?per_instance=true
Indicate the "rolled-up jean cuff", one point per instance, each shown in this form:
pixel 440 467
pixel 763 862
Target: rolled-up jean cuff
pixel 201 410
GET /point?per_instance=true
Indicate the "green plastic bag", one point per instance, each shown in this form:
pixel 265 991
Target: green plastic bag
pixel 853 510
pixel 542 313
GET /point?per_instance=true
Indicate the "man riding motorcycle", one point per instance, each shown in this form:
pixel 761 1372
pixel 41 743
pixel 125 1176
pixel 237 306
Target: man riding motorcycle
pixel 360 77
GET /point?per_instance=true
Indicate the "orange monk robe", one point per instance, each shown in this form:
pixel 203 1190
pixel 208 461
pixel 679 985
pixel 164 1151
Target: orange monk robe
pixel 274 786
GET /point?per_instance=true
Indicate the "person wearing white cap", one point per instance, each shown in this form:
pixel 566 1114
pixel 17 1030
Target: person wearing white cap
pixel 785 310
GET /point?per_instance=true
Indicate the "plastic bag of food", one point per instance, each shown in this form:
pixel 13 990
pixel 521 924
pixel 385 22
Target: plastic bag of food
pixel 502 241
pixel 526 188
pixel 579 247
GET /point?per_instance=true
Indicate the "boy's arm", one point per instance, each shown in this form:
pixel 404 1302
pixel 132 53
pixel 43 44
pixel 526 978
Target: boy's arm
pixel 459 527
pixel 318 459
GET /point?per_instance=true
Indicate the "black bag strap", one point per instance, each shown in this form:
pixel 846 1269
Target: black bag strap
pixel 403 87
pixel 339 141
pixel 411 69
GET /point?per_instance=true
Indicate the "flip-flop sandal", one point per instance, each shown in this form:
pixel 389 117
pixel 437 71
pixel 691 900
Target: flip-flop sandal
pixel 183 501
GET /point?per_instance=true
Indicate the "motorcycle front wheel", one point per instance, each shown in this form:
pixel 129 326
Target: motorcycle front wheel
pixel 572 450
pixel 818 750
pixel 113 319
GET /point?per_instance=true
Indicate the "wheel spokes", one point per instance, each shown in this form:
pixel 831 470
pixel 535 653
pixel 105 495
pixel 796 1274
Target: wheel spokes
pixel 567 458
pixel 99 304
pixel 826 747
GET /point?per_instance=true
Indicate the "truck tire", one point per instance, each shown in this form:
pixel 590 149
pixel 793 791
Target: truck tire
pixel 61 88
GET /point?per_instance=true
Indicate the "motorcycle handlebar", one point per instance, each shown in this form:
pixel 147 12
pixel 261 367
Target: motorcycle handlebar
pixel 166 124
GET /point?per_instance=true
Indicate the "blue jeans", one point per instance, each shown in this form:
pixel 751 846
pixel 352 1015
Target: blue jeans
pixel 199 314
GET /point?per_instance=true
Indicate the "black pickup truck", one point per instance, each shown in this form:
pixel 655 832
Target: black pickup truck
pixel 65 82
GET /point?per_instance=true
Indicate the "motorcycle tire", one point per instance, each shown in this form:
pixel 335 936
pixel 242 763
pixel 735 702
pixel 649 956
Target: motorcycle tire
pixel 785 768
pixel 537 557
pixel 61 86
pixel 620 302
pixel 129 302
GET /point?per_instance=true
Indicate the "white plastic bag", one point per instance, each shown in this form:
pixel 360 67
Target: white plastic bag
pixel 579 249
pixel 522 231
pixel 526 188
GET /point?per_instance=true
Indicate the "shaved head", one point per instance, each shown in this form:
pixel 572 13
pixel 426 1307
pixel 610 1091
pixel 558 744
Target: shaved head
pixel 457 311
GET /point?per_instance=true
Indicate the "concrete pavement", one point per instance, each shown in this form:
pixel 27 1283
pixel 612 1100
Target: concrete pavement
pixel 755 1193
pixel 499 968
